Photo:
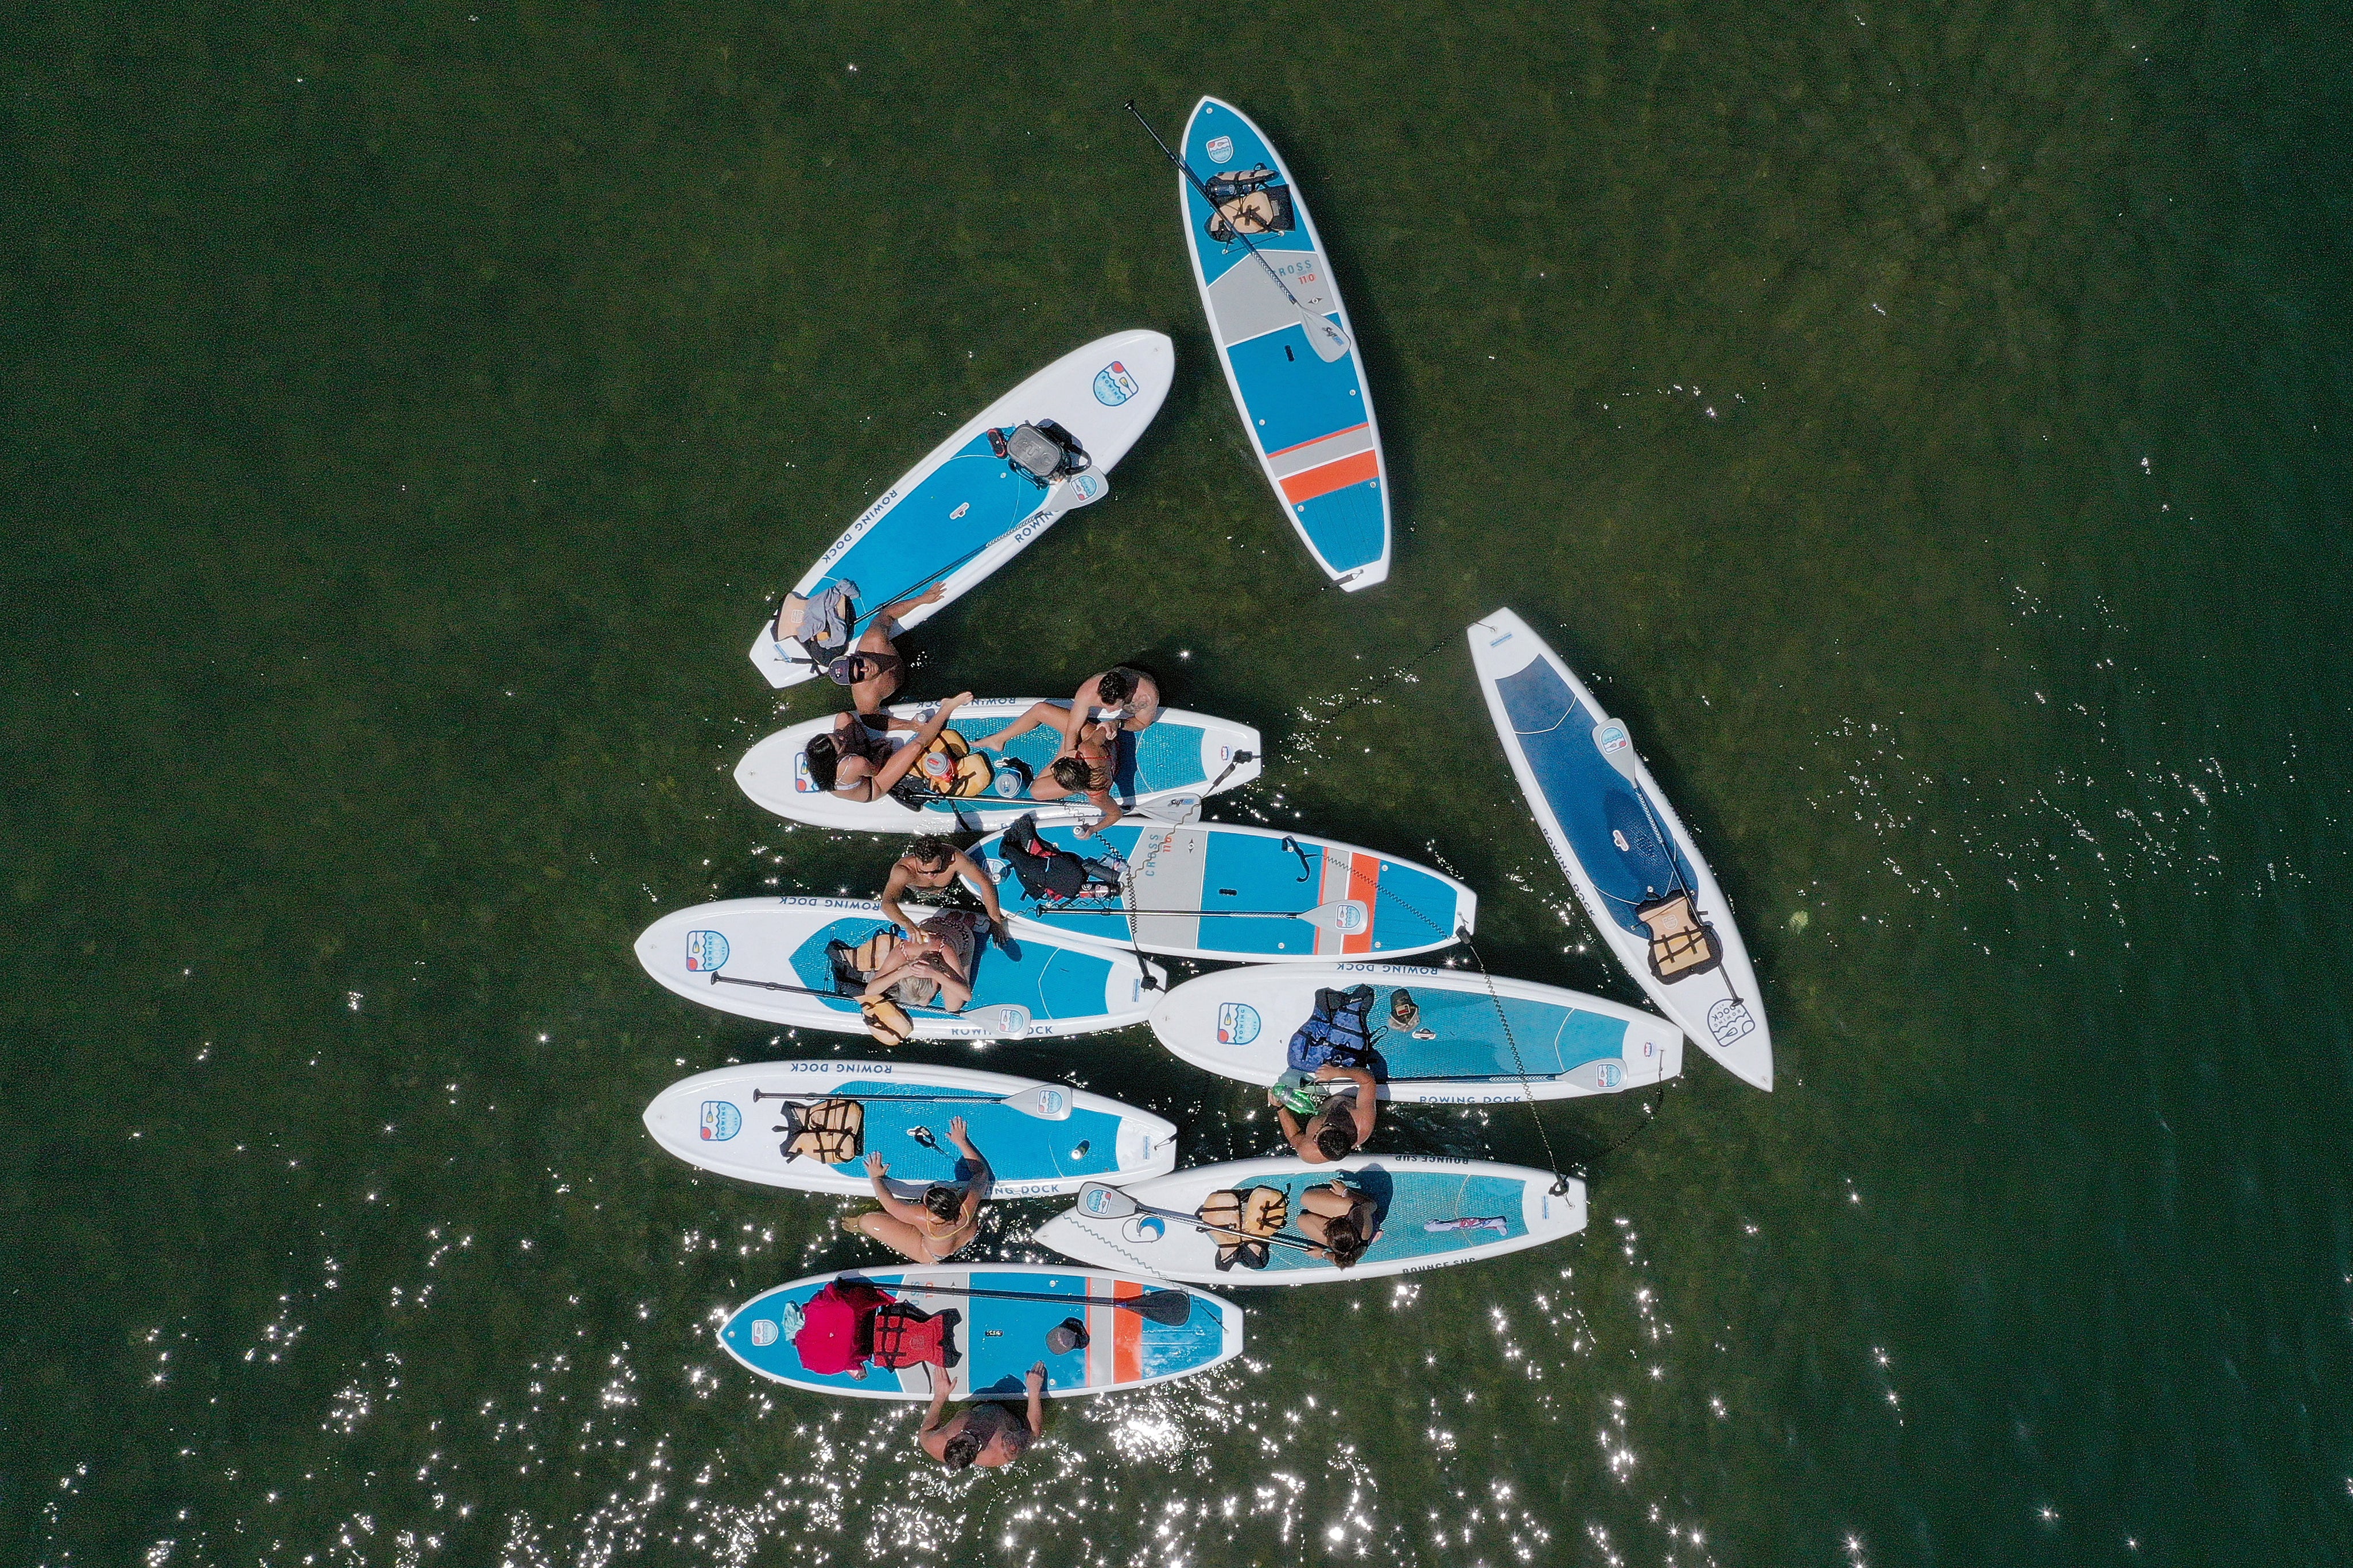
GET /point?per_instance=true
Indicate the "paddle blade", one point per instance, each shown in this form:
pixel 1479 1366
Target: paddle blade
pixel 1173 1307
pixel 1078 490
pixel 1007 1021
pixel 1617 748
pixel 1046 1102
pixel 1324 335
pixel 1097 1201
pixel 1177 810
pixel 1346 917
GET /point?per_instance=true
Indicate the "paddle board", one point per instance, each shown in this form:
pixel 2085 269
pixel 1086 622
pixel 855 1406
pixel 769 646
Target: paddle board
pixel 1295 898
pixel 718 954
pixel 1455 1051
pixel 1606 830
pixel 728 1120
pixel 963 511
pixel 999 1340
pixel 1181 754
pixel 1310 421
pixel 1432 1214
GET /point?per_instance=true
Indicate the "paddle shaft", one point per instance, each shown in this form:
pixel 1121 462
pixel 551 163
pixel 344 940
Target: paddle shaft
pixel 717 978
pixel 1153 1304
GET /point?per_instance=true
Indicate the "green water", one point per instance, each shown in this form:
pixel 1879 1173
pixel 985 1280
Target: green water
pixel 1927 421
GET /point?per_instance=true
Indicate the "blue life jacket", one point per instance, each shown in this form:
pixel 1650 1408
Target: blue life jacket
pixel 1337 1033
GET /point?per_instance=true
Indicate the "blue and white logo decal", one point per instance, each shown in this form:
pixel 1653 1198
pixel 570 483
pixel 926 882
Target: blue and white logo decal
pixel 705 951
pixel 802 782
pixel 1221 148
pixel 1114 385
pixel 1088 485
pixel 721 1121
pixel 1610 739
pixel 763 1331
pixel 1237 1023
pixel 1729 1021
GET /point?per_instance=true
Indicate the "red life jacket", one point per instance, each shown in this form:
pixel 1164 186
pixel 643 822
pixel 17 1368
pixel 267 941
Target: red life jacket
pixel 850 1321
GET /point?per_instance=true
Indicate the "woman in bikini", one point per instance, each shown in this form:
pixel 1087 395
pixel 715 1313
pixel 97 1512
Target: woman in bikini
pixel 1086 769
pixel 931 965
pixel 1340 1220
pixel 940 1227
pixel 854 761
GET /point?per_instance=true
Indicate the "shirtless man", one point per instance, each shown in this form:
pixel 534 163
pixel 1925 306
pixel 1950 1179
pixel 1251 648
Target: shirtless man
pixel 875 668
pixel 932 863
pixel 1342 1126
pixel 940 1227
pixel 1126 695
pixel 986 1434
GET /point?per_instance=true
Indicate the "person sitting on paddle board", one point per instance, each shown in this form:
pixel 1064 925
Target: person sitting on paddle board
pixel 873 670
pixel 986 1434
pixel 1340 1220
pixel 933 864
pixel 1333 1048
pixel 855 761
pixel 931 965
pixel 939 1227
pixel 1125 696
pixel 1085 769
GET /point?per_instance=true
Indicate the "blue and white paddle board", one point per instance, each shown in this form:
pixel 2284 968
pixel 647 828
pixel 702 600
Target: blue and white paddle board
pixel 1180 753
pixel 1293 898
pixel 1432 1214
pixel 718 954
pixel 1310 421
pixel 1457 1051
pixel 999 1340
pixel 1620 841
pixel 963 511
pixel 726 1121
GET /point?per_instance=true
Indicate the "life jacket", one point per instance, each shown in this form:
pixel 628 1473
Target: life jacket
pixel 1337 1033
pixel 1054 876
pixel 949 769
pixel 904 1335
pixel 1252 200
pixel 1040 451
pixel 853 967
pixel 830 1132
pixel 1681 943
pixel 1241 1220
pixel 851 1322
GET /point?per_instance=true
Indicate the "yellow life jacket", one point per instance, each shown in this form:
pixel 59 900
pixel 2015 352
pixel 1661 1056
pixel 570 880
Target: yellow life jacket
pixel 830 1132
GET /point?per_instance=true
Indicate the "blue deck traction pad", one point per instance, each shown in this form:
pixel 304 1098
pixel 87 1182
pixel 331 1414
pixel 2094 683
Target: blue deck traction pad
pixel 1409 1200
pixel 1592 799
pixel 1019 1148
pixel 1052 982
pixel 1470 1043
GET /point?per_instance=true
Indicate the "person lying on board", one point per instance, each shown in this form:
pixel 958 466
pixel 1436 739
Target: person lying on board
pixel 933 864
pixel 1340 1220
pixel 986 1434
pixel 931 965
pixel 1125 696
pixel 940 1227
pixel 1334 1048
pixel 854 761
pixel 1088 768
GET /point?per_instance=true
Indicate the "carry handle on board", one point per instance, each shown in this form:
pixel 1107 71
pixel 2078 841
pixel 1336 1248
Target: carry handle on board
pixel 1046 1101
pixel 1173 1307
pixel 1101 1202
pixel 1323 334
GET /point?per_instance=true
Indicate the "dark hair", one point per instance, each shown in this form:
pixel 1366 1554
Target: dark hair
pixel 1338 1138
pixel 1343 1242
pixel 824 754
pixel 944 1202
pixel 931 849
pixel 962 1450
pixel 1073 773
pixel 1115 685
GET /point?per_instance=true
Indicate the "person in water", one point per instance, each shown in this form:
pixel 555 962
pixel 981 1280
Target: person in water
pixel 1342 1125
pixel 1333 1049
pixel 873 669
pixel 932 967
pixel 933 864
pixel 855 760
pixel 1340 1220
pixel 1124 697
pixel 1088 768
pixel 986 1434
pixel 940 1227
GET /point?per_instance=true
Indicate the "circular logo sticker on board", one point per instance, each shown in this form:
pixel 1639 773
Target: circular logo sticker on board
pixel 1221 148
pixel 763 1331
pixel 705 951
pixel 721 1121
pixel 1114 385
pixel 1237 1023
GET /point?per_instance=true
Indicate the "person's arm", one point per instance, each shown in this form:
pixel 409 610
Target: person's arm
pixel 960 1135
pixel 906 756
pixel 891 892
pixel 901 609
pixel 1037 1400
pixel 1082 704
pixel 932 1436
pixel 1293 1130
pixel 907 1212
pixel 986 890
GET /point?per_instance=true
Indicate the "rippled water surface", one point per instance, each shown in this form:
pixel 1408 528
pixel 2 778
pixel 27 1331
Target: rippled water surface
pixel 1924 422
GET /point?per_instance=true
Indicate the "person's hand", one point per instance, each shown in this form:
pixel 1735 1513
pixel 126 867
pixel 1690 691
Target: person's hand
pixel 956 1128
pixel 874 1166
pixel 1037 1378
pixel 933 594
pixel 1086 830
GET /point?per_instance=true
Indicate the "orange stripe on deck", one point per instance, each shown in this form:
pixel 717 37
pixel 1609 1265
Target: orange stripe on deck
pixel 1364 886
pixel 1127 1336
pixel 1313 482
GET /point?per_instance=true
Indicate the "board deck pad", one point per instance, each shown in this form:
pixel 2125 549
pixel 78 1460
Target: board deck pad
pixel 1173 873
pixel 1311 422
pixel 1000 1339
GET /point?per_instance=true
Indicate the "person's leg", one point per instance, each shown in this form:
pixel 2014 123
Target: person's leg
pixel 895 1234
pixel 1046 712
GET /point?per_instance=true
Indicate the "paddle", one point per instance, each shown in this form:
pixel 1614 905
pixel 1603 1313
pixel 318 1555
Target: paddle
pixel 1008 1017
pixel 1617 749
pixel 1101 1202
pixel 1177 810
pixel 1046 1101
pixel 1323 334
pixel 1347 917
pixel 1174 1307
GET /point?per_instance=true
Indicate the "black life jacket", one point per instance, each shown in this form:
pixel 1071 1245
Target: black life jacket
pixel 1049 874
